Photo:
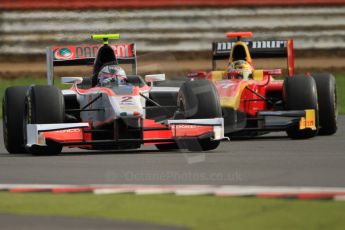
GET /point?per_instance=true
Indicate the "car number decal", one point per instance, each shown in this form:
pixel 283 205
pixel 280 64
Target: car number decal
pixel 126 100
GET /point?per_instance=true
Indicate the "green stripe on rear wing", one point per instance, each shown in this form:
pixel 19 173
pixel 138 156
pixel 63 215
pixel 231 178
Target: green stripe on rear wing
pixel 78 55
pixel 257 49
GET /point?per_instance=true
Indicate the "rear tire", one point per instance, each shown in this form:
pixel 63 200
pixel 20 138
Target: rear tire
pixel 327 99
pixel 13 113
pixel 198 100
pixel 44 105
pixel 300 94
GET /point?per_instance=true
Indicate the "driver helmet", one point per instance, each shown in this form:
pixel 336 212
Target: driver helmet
pixel 240 69
pixel 112 75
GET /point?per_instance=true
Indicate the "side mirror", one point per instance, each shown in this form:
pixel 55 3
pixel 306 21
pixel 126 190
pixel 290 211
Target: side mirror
pixel 71 80
pixel 155 77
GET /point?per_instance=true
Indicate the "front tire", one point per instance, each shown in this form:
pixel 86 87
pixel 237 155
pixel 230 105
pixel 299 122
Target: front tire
pixel 199 99
pixel 300 94
pixel 327 99
pixel 44 105
pixel 13 114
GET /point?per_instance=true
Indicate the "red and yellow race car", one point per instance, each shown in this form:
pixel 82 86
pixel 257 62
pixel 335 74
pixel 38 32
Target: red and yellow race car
pixel 110 110
pixel 257 101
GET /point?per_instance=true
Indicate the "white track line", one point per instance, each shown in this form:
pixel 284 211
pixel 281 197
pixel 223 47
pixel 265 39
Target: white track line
pixel 339 198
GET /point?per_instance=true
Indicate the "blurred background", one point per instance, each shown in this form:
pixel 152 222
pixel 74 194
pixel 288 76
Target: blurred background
pixel 172 36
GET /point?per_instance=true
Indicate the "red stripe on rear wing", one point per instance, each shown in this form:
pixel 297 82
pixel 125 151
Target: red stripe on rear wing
pixel 85 55
pixel 257 49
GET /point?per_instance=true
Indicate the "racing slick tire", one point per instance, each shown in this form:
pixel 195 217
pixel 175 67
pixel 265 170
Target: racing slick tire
pixel 199 99
pixel 13 113
pixel 327 99
pixel 300 94
pixel 44 104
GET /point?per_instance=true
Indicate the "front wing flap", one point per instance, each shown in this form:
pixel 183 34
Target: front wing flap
pixel 78 134
pixel 38 133
pixel 305 119
pixel 197 127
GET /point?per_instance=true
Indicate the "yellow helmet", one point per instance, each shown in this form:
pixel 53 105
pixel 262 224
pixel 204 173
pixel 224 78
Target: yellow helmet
pixel 240 69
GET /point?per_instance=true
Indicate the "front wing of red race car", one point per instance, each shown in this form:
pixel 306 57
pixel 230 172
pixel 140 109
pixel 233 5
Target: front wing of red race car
pixel 281 120
pixel 238 124
pixel 80 134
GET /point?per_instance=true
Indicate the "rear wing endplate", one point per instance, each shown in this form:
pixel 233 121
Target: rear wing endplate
pixel 257 49
pixel 78 55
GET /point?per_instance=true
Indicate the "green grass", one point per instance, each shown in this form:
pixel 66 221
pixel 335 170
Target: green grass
pixel 196 212
pixel 4 83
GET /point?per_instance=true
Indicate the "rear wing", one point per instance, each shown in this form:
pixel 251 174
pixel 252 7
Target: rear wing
pixel 77 55
pixel 257 49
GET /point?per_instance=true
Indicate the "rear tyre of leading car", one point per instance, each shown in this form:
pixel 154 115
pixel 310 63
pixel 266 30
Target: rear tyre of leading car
pixel 300 93
pixel 13 113
pixel 44 105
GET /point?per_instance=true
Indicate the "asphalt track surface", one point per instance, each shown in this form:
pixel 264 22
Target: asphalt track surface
pixel 25 222
pixel 273 160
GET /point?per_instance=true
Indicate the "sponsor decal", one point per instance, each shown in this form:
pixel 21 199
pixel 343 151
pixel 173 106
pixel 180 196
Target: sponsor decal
pixel 63 53
pixel 310 119
pixel 86 51
pixel 69 131
pixel 310 123
pixel 268 44
pixel 90 51
pixel 186 126
pixel 227 46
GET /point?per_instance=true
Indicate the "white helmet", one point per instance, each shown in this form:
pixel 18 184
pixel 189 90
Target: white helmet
pixel 111 75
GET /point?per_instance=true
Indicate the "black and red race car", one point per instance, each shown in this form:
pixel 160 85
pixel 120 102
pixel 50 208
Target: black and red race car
pixel 257 101
pixel 110 110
